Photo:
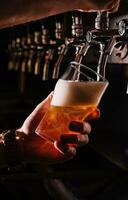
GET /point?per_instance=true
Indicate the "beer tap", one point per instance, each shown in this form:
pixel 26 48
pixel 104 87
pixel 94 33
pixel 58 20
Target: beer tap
pixel 25 53
pixel 12 54
pixel 32 64
pixel 106 38
pixel 48 55
pixel 123 32
pixel 31 52
pixel 55 47
pixel 18 54
pixel 123 28
pixel 60 45
pixel 75 43
pixel 23 56
pixel 77 40
pixel 39 53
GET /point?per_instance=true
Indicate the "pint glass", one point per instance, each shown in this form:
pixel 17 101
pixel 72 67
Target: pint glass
pixel 76 95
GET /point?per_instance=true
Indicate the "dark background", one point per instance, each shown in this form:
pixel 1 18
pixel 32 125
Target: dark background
pixel 99 170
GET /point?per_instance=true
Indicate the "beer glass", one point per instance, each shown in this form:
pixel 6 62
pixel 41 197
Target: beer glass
pixel 76 95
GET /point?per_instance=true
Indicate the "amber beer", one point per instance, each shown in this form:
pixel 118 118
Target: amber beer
pixel 72 101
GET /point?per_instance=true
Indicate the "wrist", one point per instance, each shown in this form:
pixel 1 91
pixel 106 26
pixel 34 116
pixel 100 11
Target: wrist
pixel 2 153
pixel 11 148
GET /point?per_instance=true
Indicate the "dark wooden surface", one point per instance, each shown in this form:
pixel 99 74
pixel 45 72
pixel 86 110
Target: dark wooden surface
pixel 22 11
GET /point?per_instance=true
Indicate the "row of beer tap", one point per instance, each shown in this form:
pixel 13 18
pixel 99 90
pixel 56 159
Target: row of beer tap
pixel 40 51
pixel 44 51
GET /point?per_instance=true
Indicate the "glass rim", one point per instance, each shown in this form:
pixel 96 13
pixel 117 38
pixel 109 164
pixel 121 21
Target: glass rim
pixel 88 68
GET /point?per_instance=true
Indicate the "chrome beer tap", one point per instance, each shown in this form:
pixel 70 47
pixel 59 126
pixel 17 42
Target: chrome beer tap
pixel 77 33
pixel 48 51
pixel 105 37
pixel 79 42
pixel 39 53
pixel 31 52
pixel 25 53
pixel 123 32
pixel 12 54
pixel 74 43
pixel 60 45
pixel 78 37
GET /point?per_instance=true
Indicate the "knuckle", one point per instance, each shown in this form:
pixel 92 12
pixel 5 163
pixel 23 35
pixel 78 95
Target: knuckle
pixel 86 128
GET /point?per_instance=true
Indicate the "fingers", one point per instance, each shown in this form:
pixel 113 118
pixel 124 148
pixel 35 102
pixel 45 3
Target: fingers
pixel 81 127
pixel 93 115
pixel 74 139
pixel 66 150
pixel 32 121
pixel 69 142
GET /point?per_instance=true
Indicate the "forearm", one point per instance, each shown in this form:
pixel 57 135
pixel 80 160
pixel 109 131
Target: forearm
pixel 22 11
pixel 18 149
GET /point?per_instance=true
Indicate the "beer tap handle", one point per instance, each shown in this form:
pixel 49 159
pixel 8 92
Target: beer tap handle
pixel 106 38
pixel 31 51
pixel 81 51
pixel 38 48
pixel 106 50
pixel 18 54
pixel 37 64
pixel 62 50
pixel 60 44
pixel 123 32
pixel 46 67
pixel 12 55
pixel 73 40
pixel 123 27
pixel 30 61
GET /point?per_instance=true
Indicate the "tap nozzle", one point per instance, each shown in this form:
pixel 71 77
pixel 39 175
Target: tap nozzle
pixel 77 24
pixel 102 20
pixel 101 33
pixel 123 27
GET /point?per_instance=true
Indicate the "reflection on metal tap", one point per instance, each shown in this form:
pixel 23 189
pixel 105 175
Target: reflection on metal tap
pixel 48 45
pixel 61 46
pixel 45 49
pixel 123 32
pixel 18 54
pixel 12 54
pixel 62 50
pixel 31 52
pixel 39 53
pixel 79 41
pixel 75 44
pixel 24 53
pixel 81 51
pixel 48 59
pixel 106 38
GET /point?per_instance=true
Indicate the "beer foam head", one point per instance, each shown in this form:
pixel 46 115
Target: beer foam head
pixel 74 93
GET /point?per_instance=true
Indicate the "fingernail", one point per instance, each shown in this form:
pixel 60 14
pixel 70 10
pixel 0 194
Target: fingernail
pixel 70 139
pixel 86 128
pixel 76 126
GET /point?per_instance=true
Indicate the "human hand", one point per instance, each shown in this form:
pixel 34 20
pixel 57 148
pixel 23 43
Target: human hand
pixel 39 149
